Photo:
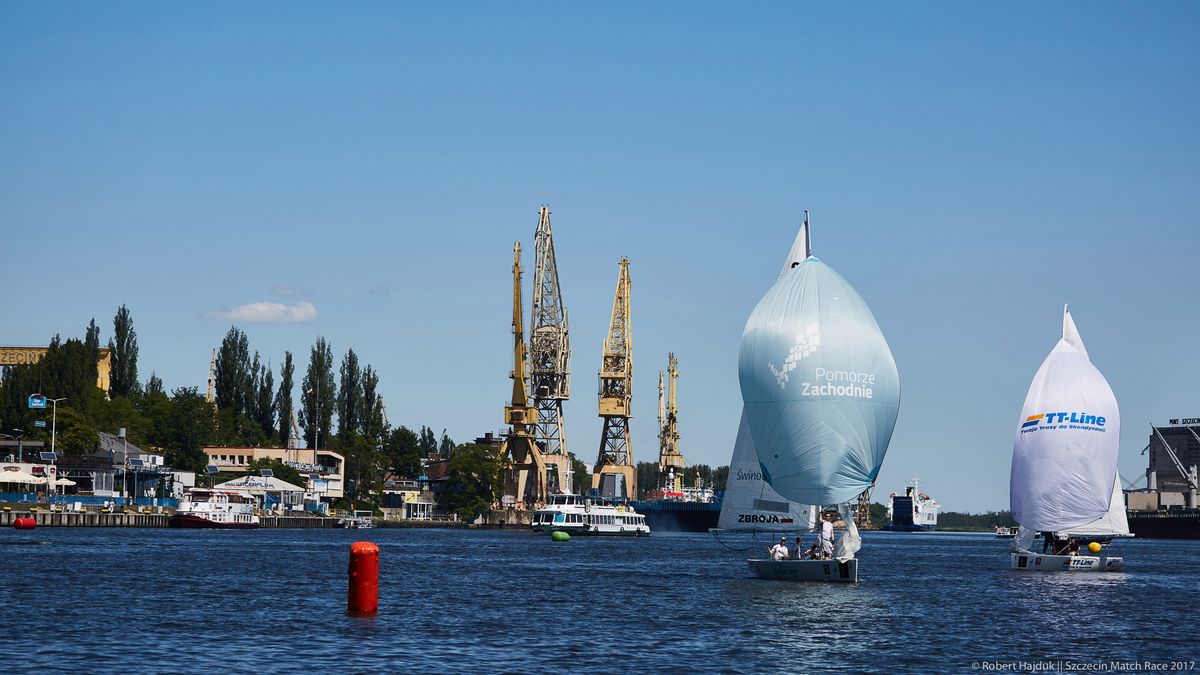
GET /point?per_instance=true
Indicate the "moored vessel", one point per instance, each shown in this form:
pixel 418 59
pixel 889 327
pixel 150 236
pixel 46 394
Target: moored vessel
pixel 215 509
pixel 579 515
pixel 914 511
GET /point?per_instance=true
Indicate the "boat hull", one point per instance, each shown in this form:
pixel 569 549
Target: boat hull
pixel 1034 562
pixel 191 522
pixel 911 528
pixel 806 570
pixel 670 516
pixel 1161 525
pixel 592 532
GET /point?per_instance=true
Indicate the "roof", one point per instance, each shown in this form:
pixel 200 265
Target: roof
pixel 111 443
pixel 258 485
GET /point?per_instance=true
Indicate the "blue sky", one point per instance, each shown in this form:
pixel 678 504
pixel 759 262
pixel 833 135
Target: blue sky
pixel 969 168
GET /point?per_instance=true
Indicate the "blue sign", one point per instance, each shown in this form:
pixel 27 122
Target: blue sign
pixel 39 423
pixel 37 401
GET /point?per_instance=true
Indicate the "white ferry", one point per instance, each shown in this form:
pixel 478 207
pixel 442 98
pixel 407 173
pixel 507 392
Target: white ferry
pixel 215 509
pixel 913 512
pixel 579 515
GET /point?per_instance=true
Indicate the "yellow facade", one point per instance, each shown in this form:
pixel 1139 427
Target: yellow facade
pixel 27 356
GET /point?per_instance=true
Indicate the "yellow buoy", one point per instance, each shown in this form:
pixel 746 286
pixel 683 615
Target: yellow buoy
pixel 1094 547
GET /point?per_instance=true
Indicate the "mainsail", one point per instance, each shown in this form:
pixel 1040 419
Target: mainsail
pixel 752 505
pixel 1112 524
pixel 819 385
pixel 1064 463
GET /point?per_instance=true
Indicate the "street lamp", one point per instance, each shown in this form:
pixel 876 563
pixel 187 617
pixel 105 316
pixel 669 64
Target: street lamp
pixel 20 448
pixel 53 420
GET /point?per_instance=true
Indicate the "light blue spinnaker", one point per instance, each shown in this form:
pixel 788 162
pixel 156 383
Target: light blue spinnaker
pixel 819 385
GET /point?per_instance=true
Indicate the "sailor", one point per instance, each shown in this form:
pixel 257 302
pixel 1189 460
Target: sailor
pixel 1047 542
pixel 826 537
pixel 1072 547
pixel 795 555
pixel 779 551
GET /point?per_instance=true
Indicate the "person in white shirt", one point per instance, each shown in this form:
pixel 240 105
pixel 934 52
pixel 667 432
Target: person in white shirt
pixel 779 551
pixel 826 537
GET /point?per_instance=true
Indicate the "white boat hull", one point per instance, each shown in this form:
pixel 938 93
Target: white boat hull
pixel 806 570
pixel 1035 562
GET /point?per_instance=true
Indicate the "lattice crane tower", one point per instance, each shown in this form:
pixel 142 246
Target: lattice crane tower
pixel 615 474
pixel 670 460
pixel 549 355
pixel 525 478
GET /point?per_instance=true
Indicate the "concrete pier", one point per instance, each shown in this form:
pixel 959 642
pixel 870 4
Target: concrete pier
pixel 85 519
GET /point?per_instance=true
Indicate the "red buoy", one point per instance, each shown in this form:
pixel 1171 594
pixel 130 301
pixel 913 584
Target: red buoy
pixel 363 595
pixel 24 523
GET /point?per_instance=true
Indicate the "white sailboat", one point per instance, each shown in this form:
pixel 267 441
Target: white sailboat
pixel 1064 466
pixel 820 393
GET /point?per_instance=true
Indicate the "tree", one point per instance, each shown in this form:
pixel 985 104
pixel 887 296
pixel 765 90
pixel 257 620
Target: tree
pixel 123 378
pixel 363 463
pixel 402 452
pixel 283 400
pixel 647 477
pixel 74 436
pixel 447 445
pixel 233 378
pixel 91 340
pixel 280 470
pixel 264 407
pixel 473 480
pixel 349 400
pixel 427 442
pixel 187 430
pixel 316 410
pixel 154 385
pixel 68 370
pixel 581 478
pixel 371 418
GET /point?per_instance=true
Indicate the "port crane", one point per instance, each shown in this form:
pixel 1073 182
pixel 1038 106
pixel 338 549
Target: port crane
pixel 525 478
pixel 549 356
pixel 614 474
pixel 1189 475
pixel 670 460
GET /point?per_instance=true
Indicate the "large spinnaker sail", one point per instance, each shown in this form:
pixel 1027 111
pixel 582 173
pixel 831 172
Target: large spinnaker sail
pixel 749 503
pixel 1064 460
pixel 820 386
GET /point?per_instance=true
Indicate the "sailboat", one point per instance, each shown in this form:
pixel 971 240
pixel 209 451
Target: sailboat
pixel 1064 465
pixel 820 393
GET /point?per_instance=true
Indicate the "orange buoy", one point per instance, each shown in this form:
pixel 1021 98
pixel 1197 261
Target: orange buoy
pixel 24 523
pixel 363 593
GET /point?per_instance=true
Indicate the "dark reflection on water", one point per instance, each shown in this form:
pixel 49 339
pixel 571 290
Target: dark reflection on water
pixel 274 600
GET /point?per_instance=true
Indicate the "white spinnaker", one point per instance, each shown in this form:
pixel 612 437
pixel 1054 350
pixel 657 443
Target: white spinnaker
pixel 1065 452
pixel 1112 524
pixel 749 503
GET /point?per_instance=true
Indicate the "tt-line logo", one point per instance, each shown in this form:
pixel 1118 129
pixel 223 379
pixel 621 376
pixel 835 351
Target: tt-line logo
pixel 1063 420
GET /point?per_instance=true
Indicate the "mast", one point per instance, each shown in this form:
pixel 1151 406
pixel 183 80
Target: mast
pixel 525 479
pixel 670 460
pixel 549 355
pixel 614 474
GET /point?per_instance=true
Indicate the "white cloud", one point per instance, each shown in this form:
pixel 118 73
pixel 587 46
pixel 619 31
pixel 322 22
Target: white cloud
pixel 291 292
pixel 271 312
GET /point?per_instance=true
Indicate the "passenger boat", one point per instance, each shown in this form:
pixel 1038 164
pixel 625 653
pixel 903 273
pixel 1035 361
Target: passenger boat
pixel 578 515
pixel 355 522
pixel 915 511
pixel 215 509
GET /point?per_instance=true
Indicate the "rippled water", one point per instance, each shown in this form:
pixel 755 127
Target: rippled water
pixel 486 601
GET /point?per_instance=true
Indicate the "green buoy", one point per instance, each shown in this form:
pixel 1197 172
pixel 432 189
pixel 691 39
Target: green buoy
pixel 559 535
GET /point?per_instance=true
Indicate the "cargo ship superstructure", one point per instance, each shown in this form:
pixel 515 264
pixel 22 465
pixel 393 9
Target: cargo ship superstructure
pixel 914 511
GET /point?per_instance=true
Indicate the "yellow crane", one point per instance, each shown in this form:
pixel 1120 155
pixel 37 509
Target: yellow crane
pixel 670 460
pixel 525 478
pixel 614 474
